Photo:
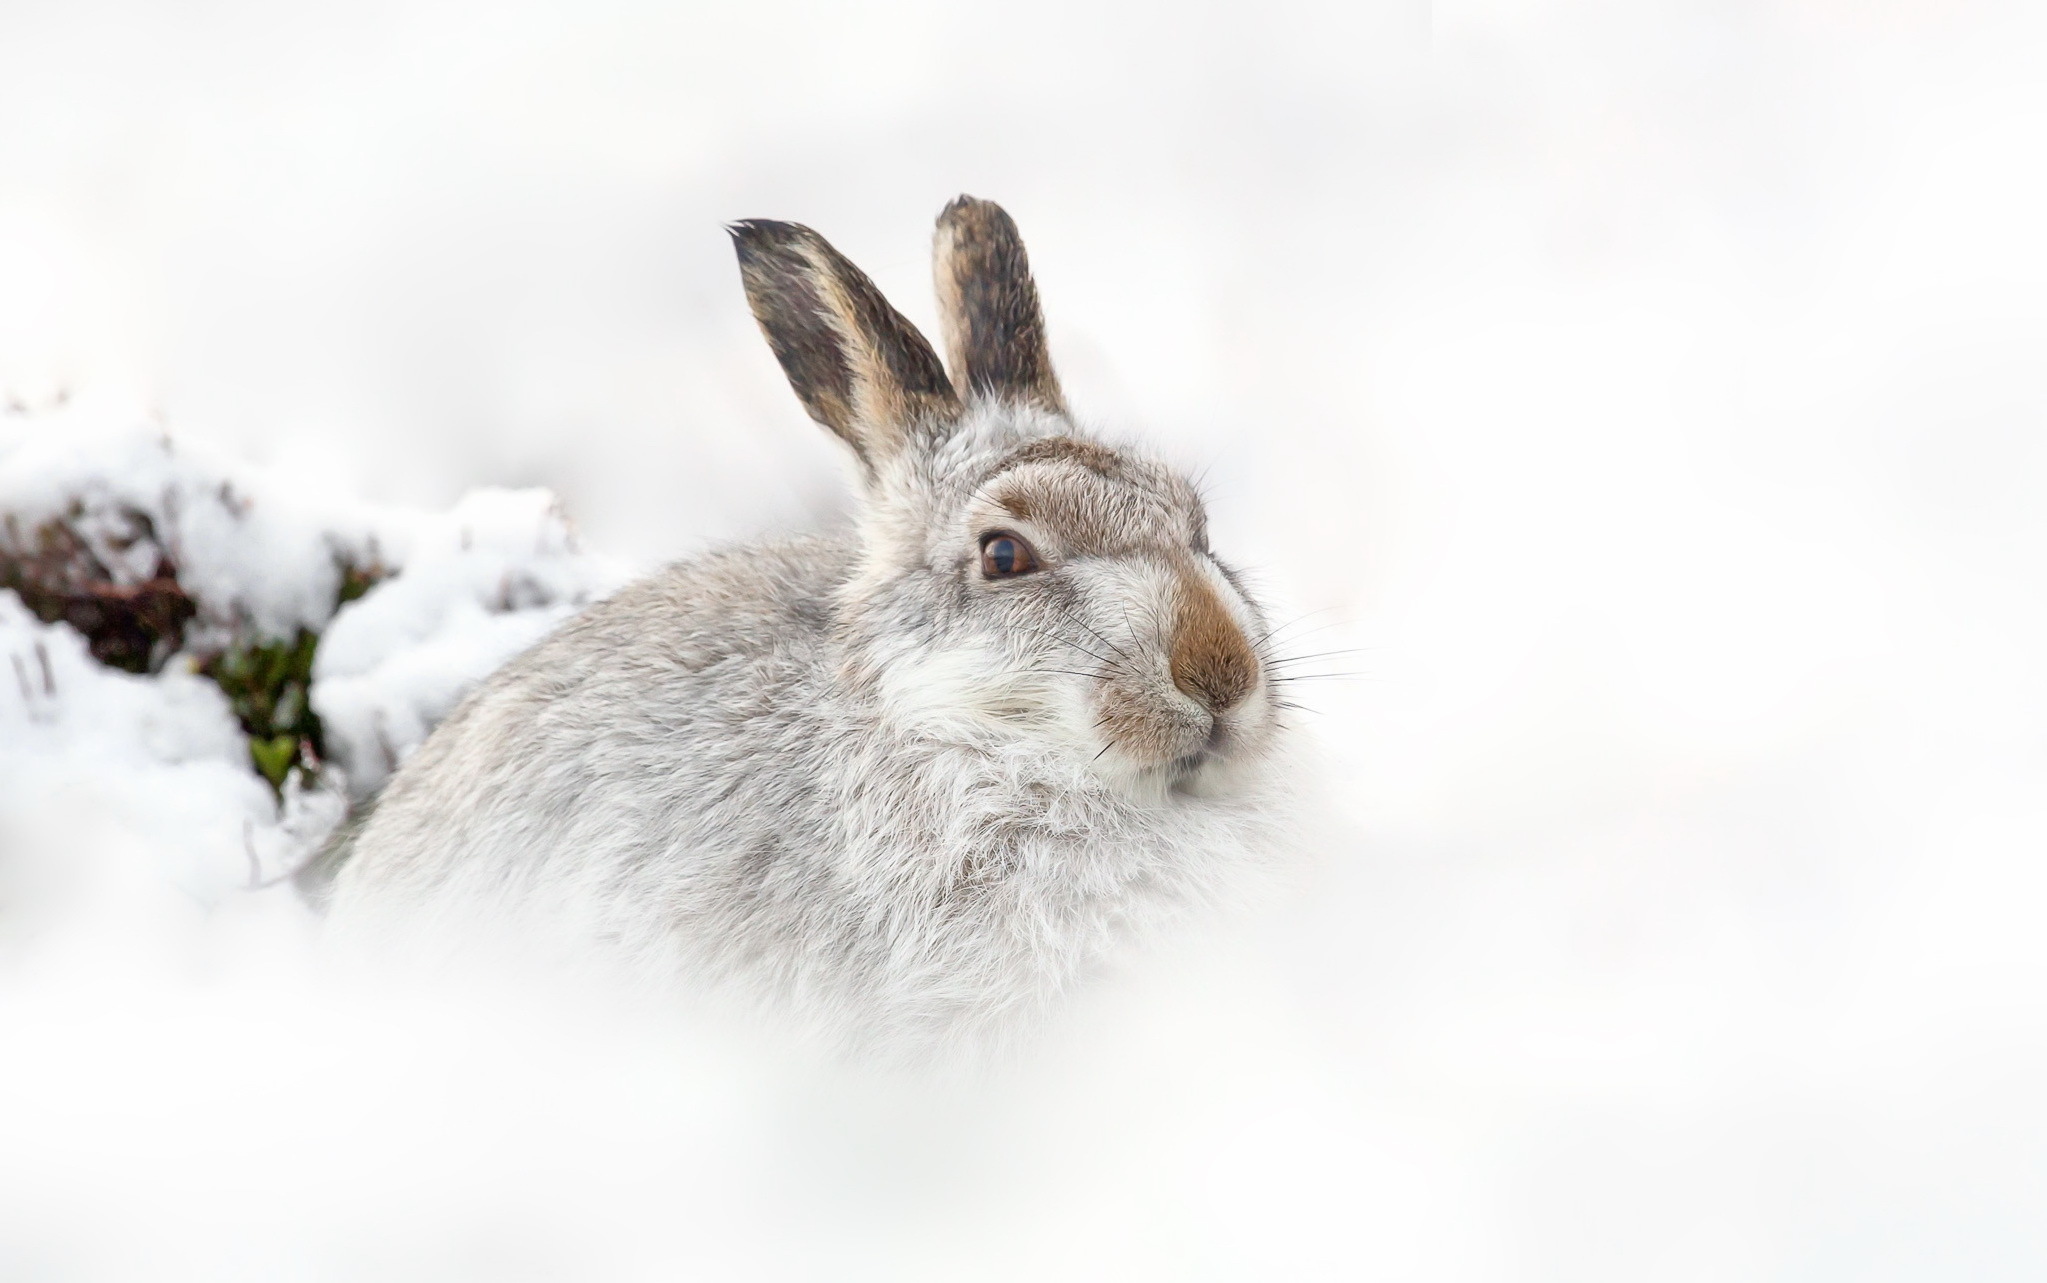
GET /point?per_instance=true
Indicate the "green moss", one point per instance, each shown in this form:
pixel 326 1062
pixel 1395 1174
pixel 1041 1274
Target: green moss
pixel 266 684
pixel 357 580
pixel 137 627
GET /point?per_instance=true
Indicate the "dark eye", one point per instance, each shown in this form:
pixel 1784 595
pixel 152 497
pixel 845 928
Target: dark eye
pixel 1004 555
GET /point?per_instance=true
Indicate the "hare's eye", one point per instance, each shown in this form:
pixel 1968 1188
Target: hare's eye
pixel 1005 555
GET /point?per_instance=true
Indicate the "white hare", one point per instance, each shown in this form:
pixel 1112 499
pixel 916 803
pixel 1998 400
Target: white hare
pixel 907 783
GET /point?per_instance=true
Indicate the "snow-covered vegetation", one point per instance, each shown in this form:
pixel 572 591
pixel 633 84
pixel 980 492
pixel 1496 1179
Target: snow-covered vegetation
pixel 224 660
pixel 1648 392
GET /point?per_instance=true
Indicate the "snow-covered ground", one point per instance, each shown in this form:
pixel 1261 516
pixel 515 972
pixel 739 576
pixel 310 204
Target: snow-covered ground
pixel 453 595
pixel 1651 392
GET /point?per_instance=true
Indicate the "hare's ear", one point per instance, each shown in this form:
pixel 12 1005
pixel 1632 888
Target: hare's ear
pixel 856 364
pixel 988 305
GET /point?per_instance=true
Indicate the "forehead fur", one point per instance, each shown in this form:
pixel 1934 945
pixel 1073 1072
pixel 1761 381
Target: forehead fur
pixel 1096 458
pixel 1097 502
pixel 1036 467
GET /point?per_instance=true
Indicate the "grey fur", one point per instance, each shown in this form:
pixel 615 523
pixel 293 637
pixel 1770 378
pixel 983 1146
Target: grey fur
pixel 852 778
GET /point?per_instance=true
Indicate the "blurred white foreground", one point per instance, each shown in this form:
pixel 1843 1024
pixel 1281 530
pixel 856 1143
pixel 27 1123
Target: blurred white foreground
pixel 1652 393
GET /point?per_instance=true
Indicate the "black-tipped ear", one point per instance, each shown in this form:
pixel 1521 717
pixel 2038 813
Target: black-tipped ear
pixel 988 306
pixel 858 367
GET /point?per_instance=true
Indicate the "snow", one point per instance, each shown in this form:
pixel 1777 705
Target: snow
pixel 262 557
pixel 162 754
pixel 266 559
pixel 1648 392
pixel 479 584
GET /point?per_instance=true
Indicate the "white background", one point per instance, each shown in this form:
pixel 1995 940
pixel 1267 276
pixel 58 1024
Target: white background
pixel 1651 392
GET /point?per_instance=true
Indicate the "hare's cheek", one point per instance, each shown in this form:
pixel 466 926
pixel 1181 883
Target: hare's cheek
pixel 1147 730
pixel 961 690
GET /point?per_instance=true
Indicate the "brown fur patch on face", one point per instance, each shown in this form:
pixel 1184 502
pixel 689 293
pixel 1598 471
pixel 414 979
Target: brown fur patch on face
pixel 1212 660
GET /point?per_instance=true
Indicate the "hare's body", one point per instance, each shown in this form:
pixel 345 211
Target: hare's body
pixel 634 772
pixel 901 789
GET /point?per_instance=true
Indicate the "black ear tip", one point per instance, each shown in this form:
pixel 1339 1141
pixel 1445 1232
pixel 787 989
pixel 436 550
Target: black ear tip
pixel 972 211
pixel 757 236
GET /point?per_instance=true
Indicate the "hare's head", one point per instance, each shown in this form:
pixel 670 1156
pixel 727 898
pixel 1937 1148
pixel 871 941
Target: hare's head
pixel 1018 578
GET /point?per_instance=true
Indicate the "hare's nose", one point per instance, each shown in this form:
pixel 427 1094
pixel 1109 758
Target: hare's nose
pixel 1211 660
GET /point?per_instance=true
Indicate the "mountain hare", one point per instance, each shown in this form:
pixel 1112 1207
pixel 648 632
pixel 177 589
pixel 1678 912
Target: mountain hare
pixel 904 784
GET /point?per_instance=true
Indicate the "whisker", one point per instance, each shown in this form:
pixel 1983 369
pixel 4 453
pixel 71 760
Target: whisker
pixel 1127 625
pixel 1067 641
pixel 1069 615
pixel 980 494
pixel 1313 677
pixel 1320 654
pixel 1276 629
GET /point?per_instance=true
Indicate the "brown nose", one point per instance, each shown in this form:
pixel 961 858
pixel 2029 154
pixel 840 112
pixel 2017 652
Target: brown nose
pixel 1211 659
